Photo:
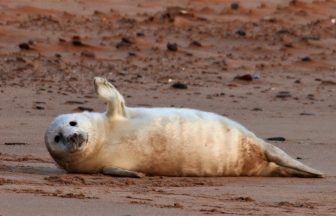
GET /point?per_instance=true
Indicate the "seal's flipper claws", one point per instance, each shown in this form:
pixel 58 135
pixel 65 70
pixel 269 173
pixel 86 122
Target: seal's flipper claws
pixel 106 91
pixel 118 172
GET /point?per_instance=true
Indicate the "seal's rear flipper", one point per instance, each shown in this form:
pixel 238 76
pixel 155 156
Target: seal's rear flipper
pixel 289 165
pixel 106 91
pixel 118 172
pixel 281 171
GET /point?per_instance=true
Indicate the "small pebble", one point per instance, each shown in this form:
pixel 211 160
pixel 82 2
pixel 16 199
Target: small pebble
pixel 140 34
pixel 247 77
pixel 39 107
pixel 307 114
pixel 81 108
pixel 24 46
pixel 257 109
pixel 76 41
pixel 245 199
pixel 88 54
pixel 179 85
pixel 311 97
pixel 306 58
pixel 241 33
pixel 61 40
pixel 283 94
pixel 280 139
pixel 172 46
pixel 234 6
pixel 73 102
pixel 196 43
pixel 125 42
pixel 327 82
pixel 178 205
pixel 15 143
pixel 288 45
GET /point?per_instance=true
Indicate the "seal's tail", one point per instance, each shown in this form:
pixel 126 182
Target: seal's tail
pixel 289 166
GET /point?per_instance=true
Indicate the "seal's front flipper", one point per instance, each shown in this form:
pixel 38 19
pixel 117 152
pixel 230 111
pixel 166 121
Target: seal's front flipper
pixel 118 172
pixel 106 91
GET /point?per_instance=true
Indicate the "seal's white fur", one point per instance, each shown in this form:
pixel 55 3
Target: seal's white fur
pixel 166 141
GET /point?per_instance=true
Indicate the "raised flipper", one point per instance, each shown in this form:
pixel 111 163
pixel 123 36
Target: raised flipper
pixel 118 172
pixel 289 165
pixel 115 101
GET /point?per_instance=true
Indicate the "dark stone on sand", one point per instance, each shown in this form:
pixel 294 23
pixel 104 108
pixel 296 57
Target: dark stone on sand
pixel 196 43
pixel 140 34
pixel 179 85
pixel 234 6
pixel 131 53
pixel 24 46
pixel 241 33
pixel 172 12
pixel 61 40
pixel 298 158
pixel 76 41
pixel 39 107
pixel 311 96
pixel 284 31
pixel 178 205
pixel 88 54
pixel 73 102
pixel 245 77
pixel 172 46
pixel 82 108
pixel 283 94
pixel 327 82
pixel 244 199
pixel 40 102
pixel 306 58
pixel 124 42
pixel 257 109
pixel 288 45
pixel 15 143
pixel 280 139
pixel 307 114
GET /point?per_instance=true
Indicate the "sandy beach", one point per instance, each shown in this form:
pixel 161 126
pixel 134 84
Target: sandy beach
pixel 270 65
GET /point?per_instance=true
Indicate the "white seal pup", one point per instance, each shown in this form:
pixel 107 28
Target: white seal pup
pixel 133 142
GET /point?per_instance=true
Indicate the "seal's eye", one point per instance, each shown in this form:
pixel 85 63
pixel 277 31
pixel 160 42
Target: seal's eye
pixel 73 123
pixel 57 139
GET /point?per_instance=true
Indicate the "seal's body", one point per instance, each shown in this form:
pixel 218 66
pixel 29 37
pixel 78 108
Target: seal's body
pixel 162 141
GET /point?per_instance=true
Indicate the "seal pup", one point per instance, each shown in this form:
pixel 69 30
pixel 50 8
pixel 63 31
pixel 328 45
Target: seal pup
pixel 133 142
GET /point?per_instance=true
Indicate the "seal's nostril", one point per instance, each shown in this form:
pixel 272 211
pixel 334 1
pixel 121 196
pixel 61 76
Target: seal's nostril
pixel 76 140
pixel 80 143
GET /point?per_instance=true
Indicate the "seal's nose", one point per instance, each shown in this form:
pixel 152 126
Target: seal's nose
pixel 75 140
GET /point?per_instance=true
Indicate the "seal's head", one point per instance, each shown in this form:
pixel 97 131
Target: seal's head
pixel 68 137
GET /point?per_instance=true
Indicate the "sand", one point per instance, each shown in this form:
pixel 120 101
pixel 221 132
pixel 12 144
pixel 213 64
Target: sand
pixel 51 50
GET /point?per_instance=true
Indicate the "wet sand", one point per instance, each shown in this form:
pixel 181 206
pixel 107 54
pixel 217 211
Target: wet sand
pixel 51 50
